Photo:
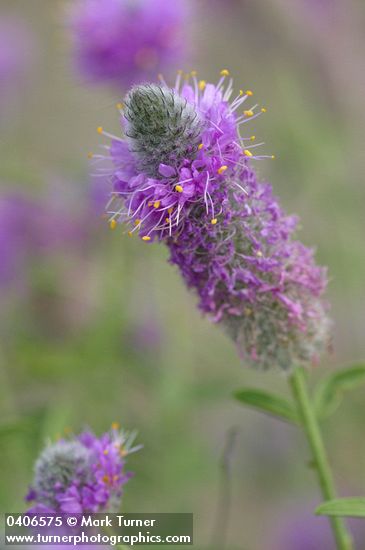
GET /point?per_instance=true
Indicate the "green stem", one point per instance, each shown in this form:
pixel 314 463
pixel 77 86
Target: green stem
pixel 310 425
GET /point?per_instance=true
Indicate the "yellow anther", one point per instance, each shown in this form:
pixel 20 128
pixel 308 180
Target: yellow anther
pixel 119 106
pixel 115 425
pixel 213 221
pixel 179 188
pixel 200 146
pixel 156 204
pixel 248 113
pixel 130 233
pixel 202 84
pixel 167 220
pixel 170 210
pixel 113 224
pixel 247 153
pixel 249 92
pixel 224 72
pixel 105 452
pixel 263 110
pixel 248 310
pixel 90 155
pixel 123 452
pixel 259 254
pixel 137 222
pixel 272 156
pixel 106 479
pixel 252 138
pixel 222 169
pixel 100 129
pixel 241 92
pixel 193 73
pixel 146 238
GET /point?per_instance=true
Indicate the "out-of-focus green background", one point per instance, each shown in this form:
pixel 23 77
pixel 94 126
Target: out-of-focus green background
pixel 104 329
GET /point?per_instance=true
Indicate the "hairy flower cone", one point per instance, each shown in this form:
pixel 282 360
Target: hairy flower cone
pixel 82 475
pixel 154 115
pixel 183 175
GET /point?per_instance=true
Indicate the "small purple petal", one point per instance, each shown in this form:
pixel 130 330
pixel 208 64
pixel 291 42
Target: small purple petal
pixel 166 170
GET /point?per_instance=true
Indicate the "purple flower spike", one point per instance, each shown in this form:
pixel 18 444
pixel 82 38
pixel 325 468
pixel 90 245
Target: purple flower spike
pixel 182 174
pixel 82 475
pixel 128 41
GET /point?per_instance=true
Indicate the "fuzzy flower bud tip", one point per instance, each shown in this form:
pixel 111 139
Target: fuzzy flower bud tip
pixel 185 150
pixel 162 127
pixel 82 475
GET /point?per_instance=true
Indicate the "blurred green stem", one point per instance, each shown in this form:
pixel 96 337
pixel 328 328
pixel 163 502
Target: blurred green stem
pixel 310 425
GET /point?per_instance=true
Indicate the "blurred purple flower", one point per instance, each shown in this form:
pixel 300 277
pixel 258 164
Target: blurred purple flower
pixel 16 57
pixel 99 193
pixel 145 337
pixel 128 41
pixel 82 475
pixel 183 175
pixel 321 16
pixel 305 532
pixel 300 529
pixel 319 5
pixel 30 229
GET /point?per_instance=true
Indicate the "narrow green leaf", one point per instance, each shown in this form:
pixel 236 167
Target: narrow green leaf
pixel 267 403
pixel 22 424
pixel 344 507
pixel 11 428
pixel 329 392
pixel 350 377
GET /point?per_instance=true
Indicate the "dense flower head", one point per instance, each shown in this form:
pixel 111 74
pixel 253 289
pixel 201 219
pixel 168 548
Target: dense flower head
pixel 84 474
pixel 254 279
pixel 128 41
pixel 226 231
pixel 180 147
